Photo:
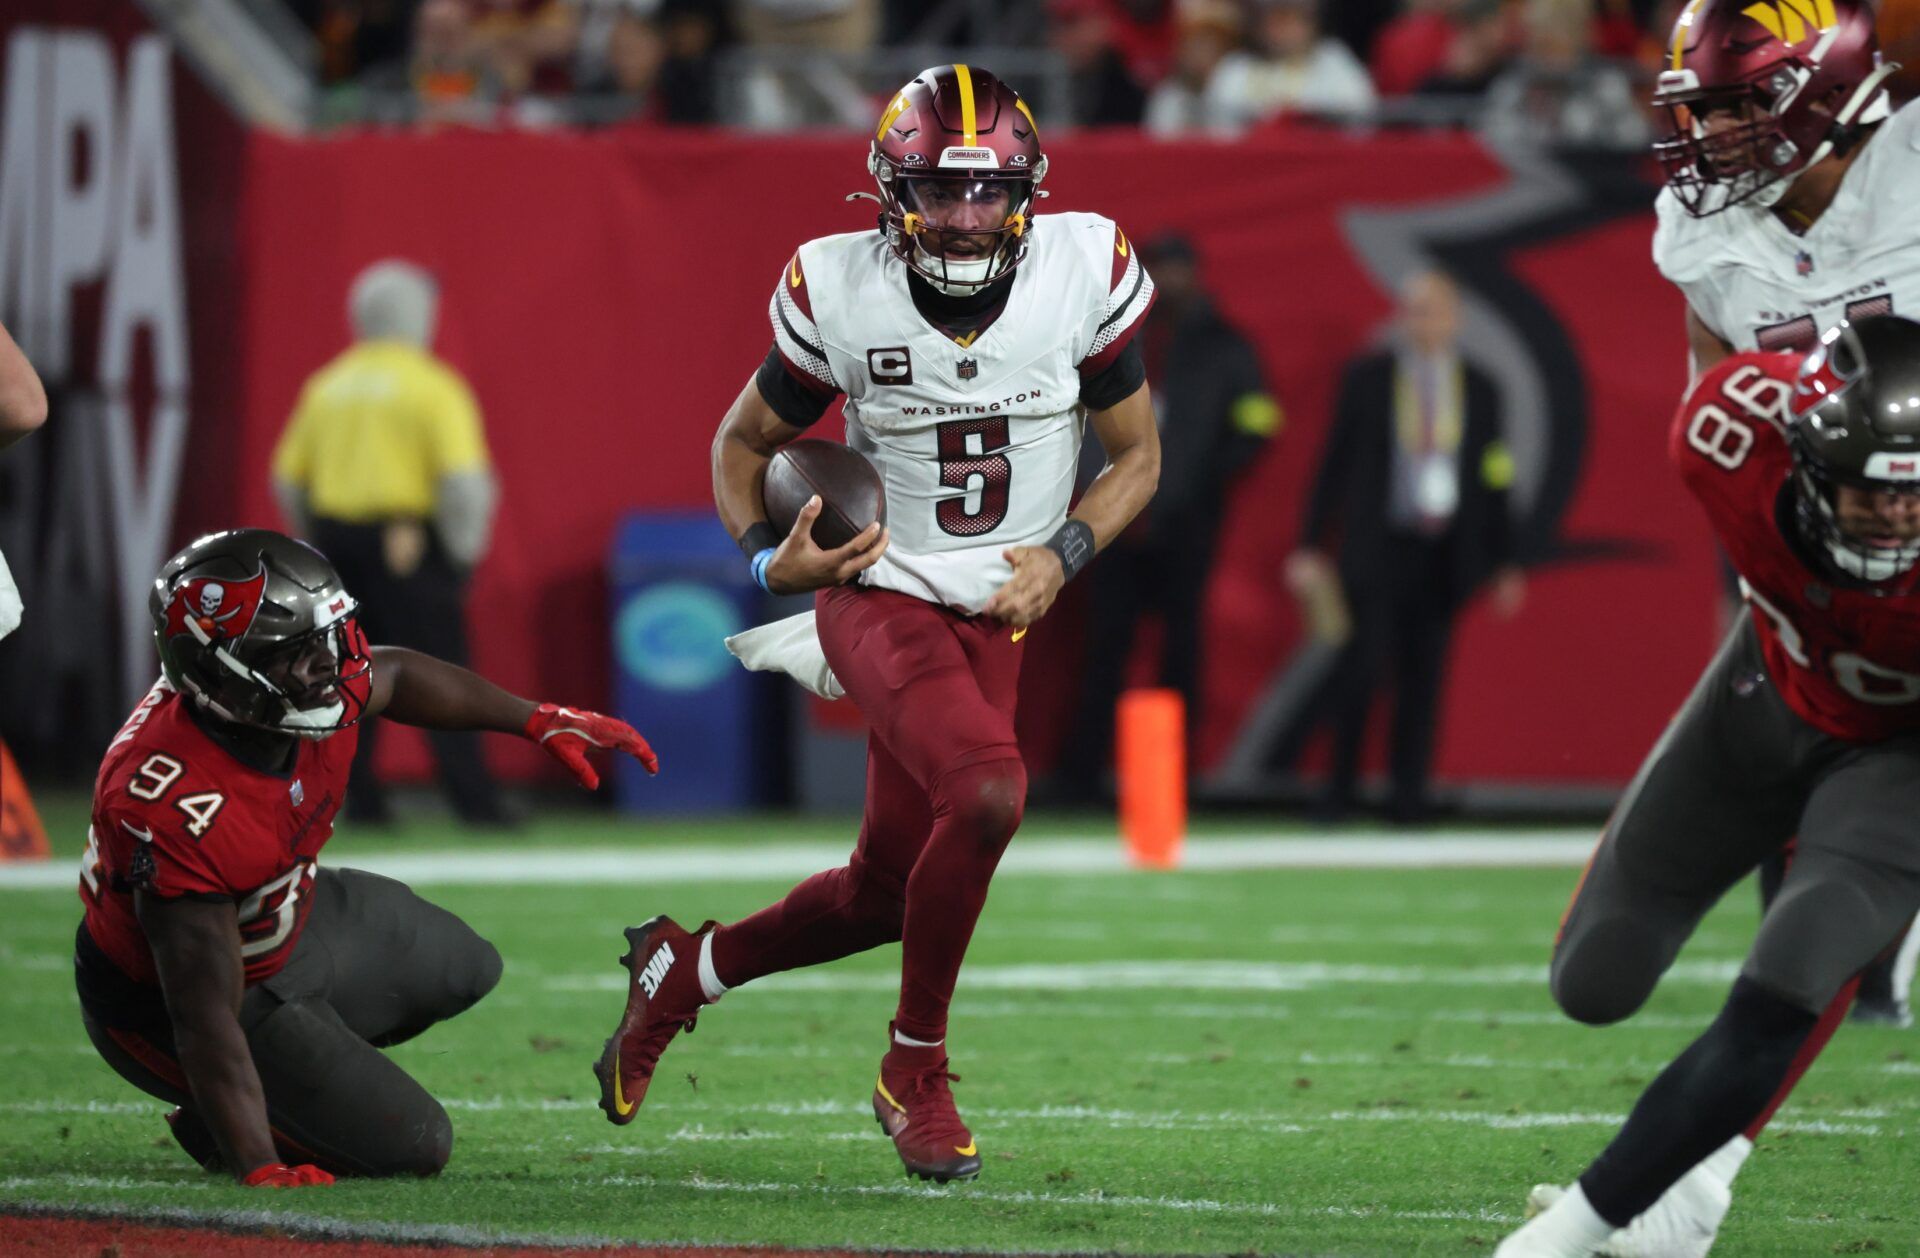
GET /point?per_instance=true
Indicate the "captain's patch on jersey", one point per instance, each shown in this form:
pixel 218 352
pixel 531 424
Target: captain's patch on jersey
pixel 892 365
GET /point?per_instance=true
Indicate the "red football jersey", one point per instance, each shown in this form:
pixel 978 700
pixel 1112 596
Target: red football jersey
pixel 175 814
pixel 1846 659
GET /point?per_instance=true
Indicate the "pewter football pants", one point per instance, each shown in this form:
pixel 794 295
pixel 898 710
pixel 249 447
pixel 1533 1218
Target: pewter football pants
pixel 1735 776
pixel 375 965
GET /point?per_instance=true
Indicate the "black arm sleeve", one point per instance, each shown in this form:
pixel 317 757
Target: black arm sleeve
pixel 1118 381
pixel 791 400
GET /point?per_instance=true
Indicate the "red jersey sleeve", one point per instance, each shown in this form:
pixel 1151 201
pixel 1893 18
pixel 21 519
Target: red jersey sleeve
pixel 146 850
pixel 1733 419
pixel 1130 295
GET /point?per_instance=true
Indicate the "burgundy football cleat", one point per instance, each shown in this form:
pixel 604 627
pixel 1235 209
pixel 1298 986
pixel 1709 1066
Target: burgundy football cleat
pixel 663 996
pixel 915 1107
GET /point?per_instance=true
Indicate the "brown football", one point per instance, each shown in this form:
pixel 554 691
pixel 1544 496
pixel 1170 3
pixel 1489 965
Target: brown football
pixel 851 495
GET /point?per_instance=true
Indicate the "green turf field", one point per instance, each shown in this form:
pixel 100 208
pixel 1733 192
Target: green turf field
pixel 1299 1062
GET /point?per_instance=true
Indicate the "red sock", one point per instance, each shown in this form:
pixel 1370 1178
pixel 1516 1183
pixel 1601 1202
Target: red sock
pixel 976 809
pixel 1823 1030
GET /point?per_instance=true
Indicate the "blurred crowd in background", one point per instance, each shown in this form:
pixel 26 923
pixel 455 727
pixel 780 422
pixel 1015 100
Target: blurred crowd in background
pixel 1549 71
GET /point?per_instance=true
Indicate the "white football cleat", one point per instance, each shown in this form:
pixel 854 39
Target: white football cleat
pixel 1682 1224
pixel 1565 1227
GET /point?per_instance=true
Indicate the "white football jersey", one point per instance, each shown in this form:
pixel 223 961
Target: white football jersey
pixel 976 439
pixel 1760 287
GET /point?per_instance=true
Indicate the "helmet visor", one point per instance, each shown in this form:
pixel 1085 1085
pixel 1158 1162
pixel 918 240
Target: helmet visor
pixel 959 218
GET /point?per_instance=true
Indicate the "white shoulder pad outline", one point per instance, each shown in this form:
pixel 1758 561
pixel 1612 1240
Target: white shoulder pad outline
pixel 1128 295
pixel 795 333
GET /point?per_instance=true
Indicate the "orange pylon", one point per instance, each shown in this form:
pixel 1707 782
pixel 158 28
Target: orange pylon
pixel 22 837
pixel 1152 770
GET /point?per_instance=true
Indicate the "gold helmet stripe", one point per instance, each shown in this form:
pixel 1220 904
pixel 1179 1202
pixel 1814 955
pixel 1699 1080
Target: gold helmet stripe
pixel 894 111
pixel 969 121
pixel 1680 29
pixel 1021 105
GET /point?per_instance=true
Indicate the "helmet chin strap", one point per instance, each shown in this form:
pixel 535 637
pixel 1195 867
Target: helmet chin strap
pixel 1861 562
pixel 965 276
pixel 313 723
pixel 1873 565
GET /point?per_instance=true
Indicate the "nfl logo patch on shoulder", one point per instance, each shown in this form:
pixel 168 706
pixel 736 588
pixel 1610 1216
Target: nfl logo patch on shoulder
pixel 1803 262
pixel 969 368
pixel 297 793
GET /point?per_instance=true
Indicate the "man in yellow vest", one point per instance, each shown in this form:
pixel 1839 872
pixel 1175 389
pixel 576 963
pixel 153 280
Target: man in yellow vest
pixel 384 467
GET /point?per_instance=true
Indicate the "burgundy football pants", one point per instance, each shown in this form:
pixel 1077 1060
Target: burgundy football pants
pixel 945 790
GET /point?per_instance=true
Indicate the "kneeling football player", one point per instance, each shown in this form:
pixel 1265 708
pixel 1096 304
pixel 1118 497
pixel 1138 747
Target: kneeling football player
pixel 219 967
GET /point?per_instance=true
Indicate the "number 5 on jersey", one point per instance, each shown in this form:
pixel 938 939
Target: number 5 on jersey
pixel 968 463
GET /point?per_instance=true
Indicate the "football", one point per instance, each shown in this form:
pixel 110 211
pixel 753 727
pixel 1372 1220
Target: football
pixel 851 495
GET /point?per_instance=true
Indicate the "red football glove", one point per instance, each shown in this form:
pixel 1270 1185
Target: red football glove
pixel 280 1175
pixel 565 734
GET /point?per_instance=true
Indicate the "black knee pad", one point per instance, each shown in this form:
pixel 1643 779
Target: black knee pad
pixel 1603 971
pixel 988 800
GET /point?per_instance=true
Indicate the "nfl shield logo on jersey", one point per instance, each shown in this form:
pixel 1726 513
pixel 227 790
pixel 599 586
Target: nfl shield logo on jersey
pixel 969 368
pixel 297 793
pixel 1803 262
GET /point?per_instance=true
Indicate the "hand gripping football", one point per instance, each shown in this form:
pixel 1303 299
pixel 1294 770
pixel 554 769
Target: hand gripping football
pixel 851 495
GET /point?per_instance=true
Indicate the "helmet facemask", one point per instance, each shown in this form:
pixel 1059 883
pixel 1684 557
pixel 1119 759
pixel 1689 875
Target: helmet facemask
pixel 299 685
pixel 957 260
pixel 1817 512
pixel 1754 157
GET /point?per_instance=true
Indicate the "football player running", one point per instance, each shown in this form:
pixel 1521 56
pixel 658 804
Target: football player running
pixel 1806 724
pixel 972 340
pixel 1785 214
pixel 1786 211
pixel 219 967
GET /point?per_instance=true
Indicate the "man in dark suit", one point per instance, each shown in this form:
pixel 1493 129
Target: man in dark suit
pixel 1412 496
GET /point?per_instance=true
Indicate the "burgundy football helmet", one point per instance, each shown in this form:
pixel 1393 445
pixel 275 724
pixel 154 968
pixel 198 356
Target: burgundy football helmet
pixel 1759 90
pixel 956 136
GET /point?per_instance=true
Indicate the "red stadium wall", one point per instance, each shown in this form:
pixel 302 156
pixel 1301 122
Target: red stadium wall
pixel 606 295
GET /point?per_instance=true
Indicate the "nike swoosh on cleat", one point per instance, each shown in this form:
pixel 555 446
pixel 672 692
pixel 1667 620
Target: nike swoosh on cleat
pixel 620 1102
pixel 880 1086
pixel 971 1149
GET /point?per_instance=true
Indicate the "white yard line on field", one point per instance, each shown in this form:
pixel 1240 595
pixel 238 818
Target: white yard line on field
pixel 340 1228
pixel 1089 854
pixel 1267 976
